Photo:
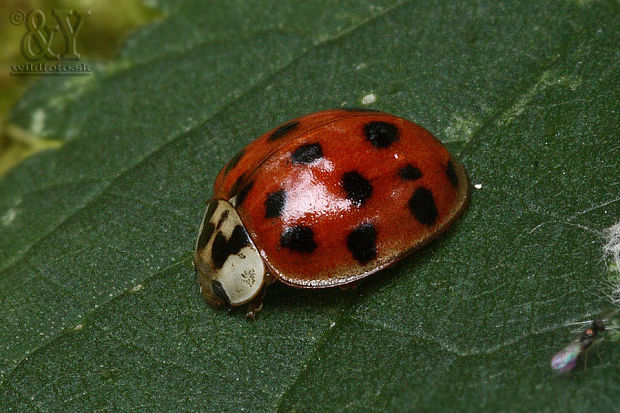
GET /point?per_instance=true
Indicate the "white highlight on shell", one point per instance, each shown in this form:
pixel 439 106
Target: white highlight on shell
pixel 368 99
pixel 307 198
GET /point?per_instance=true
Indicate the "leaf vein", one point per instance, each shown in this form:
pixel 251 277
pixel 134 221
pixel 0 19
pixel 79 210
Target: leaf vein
pixel 86 315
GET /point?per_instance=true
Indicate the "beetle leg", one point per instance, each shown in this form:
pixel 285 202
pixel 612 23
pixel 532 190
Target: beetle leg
pixel 256 304
pixel 253 310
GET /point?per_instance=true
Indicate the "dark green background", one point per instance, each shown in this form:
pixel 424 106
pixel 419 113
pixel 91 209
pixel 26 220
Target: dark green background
pixel 99 308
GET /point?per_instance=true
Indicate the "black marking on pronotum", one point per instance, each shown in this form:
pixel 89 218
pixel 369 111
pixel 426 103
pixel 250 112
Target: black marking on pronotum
pixel 218 290
pixel 283 130
pixel 362 243
pixel 243 193
pixel 422 206
pixel 274 204
pixel 357 187
pixel 454 180
pixel 381 134
pixel 205 235
pixel 409 173
pixel 298 238
pixel 306 154
pixel 234 160
pixel 222 219
pixel 207 226
pixel 222 248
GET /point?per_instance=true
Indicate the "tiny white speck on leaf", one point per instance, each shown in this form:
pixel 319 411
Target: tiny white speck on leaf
pixel 478 186
pixel 332 324
pixel 8 216
pixel 136 288
pixel 78 327
pixel 38 121
pixel 368 99
pixel 461 128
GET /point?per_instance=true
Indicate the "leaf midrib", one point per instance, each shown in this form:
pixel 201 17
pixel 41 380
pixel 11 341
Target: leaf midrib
pixel 107 183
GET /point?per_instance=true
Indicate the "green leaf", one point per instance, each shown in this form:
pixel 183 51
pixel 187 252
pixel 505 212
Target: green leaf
pixel 99 305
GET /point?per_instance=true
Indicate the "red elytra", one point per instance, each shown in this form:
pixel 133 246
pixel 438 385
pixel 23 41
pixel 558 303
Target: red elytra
pixel 334 196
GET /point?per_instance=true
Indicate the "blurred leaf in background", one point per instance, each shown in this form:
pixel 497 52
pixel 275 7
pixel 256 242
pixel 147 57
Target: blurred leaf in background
pixel 98 40
pixel 99 307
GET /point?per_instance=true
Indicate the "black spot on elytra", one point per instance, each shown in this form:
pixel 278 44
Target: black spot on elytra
pixel 234 161
pixel 381 134
pixel 222 218
pixel 307 153
pixel 299 239
pixel 362 243
pixel 208 227
pixel 454 180
pixel 422 206
pixel 357 187
pixel 218 290
pixel 274 204
pixel 409 173
pixel 243 193
pixel 223 248
pixel 281 131
pixel 234 189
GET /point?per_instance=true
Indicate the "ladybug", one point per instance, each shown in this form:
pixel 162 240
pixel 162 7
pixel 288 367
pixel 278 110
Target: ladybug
pixel 324 200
